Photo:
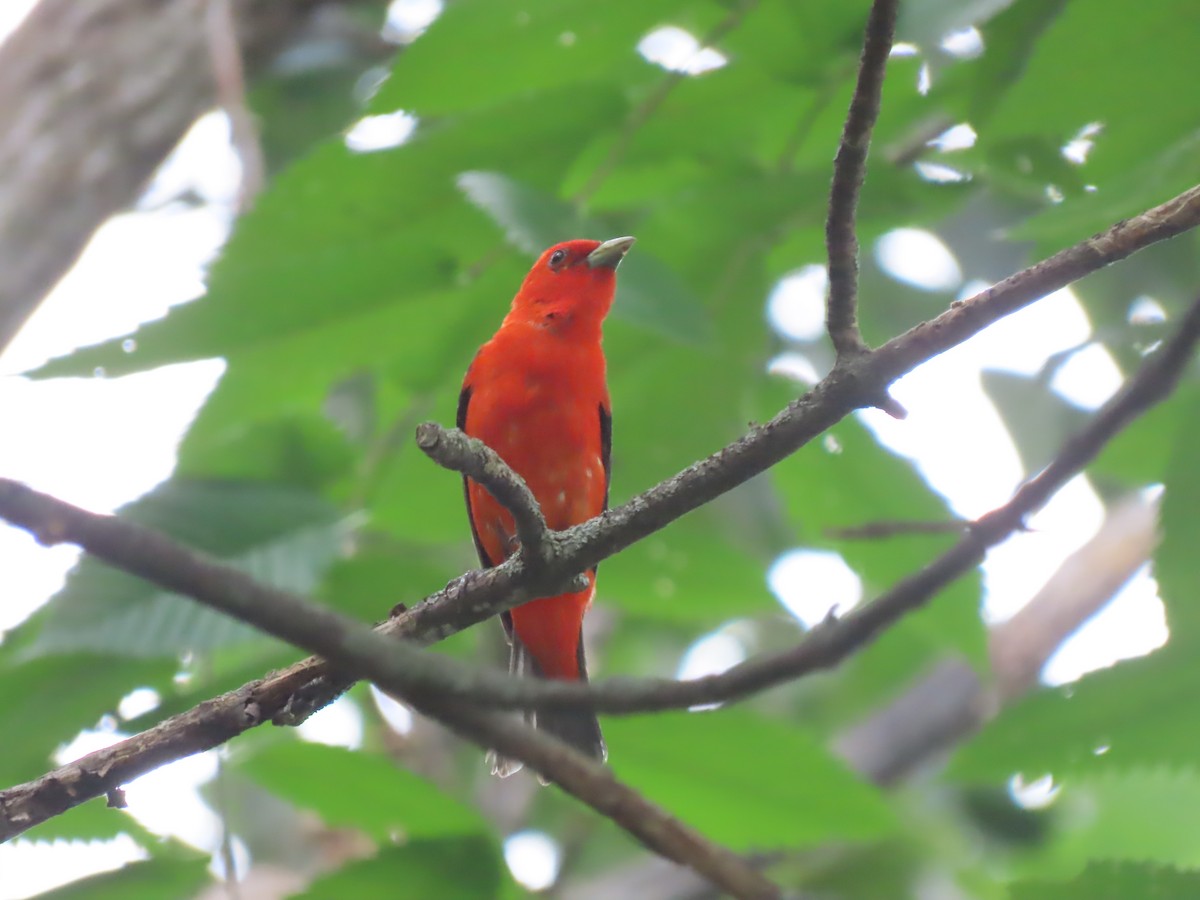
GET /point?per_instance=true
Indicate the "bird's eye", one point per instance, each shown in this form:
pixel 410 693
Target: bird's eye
pixel 557 258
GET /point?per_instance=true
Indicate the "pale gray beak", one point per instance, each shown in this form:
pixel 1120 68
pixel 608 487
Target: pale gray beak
pixel 609 254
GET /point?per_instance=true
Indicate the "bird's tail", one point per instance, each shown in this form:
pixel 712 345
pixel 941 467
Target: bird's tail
pixel 576 727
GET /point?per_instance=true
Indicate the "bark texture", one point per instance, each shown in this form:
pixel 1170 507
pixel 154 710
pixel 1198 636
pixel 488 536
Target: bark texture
pixel 93 96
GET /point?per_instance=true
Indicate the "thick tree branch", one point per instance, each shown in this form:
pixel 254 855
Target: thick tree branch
pixel 849 171
pixel 478 595
pixel 348 645
pixel 404 669
pixel 353 647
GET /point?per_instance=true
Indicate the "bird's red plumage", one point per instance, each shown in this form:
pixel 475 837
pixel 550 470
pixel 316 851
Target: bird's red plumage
pixel 536 394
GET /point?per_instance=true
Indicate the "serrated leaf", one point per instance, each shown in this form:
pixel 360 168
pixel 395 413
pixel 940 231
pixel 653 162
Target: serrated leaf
pixel 1135 815
pixel 281 536
pixel 1138 712
pixel 466 868
pixel 502 51
pixel 360 790
pixel 1175 561
pixel 1145 49
pixel 343 233
pixel 150 880
pixel 48 700
pixel 789 791
pixel 92 821
pixel 1114 881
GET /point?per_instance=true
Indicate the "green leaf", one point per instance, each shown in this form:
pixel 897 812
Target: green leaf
pixel 546 44
pixel 92 821
pixel 49 700
pixel 281 536
pixel 1114 881
pixel 1135 815
pixel 1140 454
pixel 845 480
pixel 343 233
pixel 1038 419
pixel 1145 47
pixel 358 790
pixel 648 293
pixel 1150 180
pixel 301 450
pixel 800 42
pixel 788 791
pixel 150 880
pixel 466 868
pixel 1135 712
pixel 693 573
pixel 1175 561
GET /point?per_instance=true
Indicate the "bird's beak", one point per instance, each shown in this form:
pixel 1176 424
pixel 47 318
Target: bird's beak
pixel 609 254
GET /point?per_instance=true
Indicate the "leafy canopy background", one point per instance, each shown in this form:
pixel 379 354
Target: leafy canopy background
pixel 349 301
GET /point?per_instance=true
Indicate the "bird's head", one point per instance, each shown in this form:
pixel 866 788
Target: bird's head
pixel 572 284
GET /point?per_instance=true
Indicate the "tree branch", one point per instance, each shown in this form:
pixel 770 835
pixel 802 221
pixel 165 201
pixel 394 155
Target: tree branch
pixel 889 528
pixel 348 644
pixel 595 785
pixel 948 703
pixel 404 670
pixel 849 171
pixel 478 595
pixel 469 456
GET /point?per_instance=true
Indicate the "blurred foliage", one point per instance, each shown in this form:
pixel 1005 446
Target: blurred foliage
pixel 348 303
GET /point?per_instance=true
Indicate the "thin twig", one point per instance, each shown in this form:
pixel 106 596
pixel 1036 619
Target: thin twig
pixel 849 170
pixel 470 456
pixel 833 641
pixel 478 595
pixel 649 106
pixel 230 79
pixel 347 644
pixel 889 528
pixel 967 317
pixel 804 127
pixel 403 669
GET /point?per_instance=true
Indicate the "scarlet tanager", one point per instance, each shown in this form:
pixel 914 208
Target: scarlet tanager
pixel 536 394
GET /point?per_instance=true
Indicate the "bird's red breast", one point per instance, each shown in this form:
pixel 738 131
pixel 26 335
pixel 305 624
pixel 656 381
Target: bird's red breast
pixel 536 394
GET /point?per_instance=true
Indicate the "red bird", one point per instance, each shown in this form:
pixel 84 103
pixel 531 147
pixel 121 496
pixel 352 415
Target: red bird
pixel 536 394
